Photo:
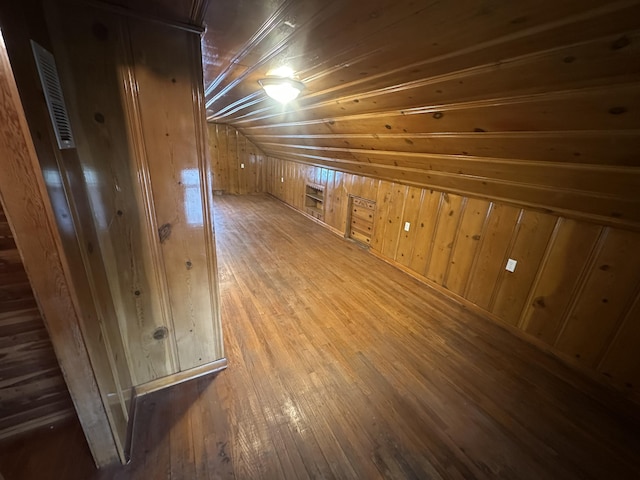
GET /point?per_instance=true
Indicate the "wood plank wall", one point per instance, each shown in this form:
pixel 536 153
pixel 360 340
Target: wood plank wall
pixel 238 165
pixel 533 103
pixel 576 287
pixel 33 392
pixel 92 305
pixel 141 139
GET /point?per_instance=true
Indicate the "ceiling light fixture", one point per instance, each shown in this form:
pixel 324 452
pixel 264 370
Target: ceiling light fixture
pixel 280 85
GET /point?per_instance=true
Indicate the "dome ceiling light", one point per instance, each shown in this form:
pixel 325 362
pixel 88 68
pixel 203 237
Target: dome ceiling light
pixel 280 85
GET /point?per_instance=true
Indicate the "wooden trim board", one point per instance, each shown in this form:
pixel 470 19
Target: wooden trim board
pixel 180 377
pixel 161 384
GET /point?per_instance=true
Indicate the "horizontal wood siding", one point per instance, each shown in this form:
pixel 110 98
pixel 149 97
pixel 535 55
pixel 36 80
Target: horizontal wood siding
pixel 532 103
pixel 32 390
pixel 576 285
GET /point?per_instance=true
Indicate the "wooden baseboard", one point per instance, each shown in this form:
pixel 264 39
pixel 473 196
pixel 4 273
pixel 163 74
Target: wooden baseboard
pixel 160 384
pixel 176 378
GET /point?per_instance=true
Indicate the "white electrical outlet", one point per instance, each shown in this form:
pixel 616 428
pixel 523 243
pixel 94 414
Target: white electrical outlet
pixel 511 265
pixel 281 179
pixel 407 226
pixel 242 165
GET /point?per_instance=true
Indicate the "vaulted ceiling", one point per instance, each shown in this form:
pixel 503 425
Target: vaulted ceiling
pixel 535 102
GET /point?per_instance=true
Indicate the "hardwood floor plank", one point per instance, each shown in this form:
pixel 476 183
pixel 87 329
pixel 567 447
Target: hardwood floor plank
pixel 341 366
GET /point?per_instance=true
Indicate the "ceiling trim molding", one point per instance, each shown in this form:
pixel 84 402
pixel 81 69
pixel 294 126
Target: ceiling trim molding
pixel 125 12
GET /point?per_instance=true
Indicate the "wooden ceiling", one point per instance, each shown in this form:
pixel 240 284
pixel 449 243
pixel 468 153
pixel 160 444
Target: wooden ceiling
pixel 533 102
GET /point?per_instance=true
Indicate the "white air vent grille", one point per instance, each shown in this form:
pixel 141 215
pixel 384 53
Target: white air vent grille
pixel 53 94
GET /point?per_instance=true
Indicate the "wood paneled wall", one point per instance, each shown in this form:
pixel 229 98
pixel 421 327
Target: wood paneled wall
pixel 238 165
pixel 87 328
pixel 576 286
pixel 141 139
pixel 35 184
pixel 32 390
pixel 532 103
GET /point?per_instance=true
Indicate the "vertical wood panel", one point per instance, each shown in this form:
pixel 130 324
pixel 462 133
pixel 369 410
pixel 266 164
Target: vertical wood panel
pixel 563 267
pixel 116 200
pixel 621 360
pixel 604 300
pixel 444 238
pixel 229 150
pixel 466 248
pixel 529 247
pixel 329 199
pixel 393 224
pixel 242 163
pixel 408 239
pixel 175 171
pixel 383 202
pixel 232 155
pixel 221 167
pixel 427 220
pixel 341 200
pixel 492 253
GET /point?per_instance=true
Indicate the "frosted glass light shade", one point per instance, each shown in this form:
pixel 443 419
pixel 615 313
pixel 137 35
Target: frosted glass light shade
pixel 281 89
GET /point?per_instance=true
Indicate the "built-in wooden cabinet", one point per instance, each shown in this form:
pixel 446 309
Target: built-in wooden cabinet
pixel 361 222
pixel 314 201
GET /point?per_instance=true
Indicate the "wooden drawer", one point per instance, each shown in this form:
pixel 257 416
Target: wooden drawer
pixel 361 226
pixel 362 213
pixel 360 237
pixel 364 203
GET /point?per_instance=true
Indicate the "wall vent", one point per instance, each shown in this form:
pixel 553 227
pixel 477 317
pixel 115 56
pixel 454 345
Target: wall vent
pixel 53 94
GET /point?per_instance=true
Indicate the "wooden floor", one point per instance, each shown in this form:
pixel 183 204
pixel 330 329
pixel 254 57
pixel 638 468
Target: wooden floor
pixel 341 366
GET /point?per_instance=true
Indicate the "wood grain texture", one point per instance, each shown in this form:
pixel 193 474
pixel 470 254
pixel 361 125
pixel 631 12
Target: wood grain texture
pixel 33 392
pixel 533 104
pixel 116 196
pixel 26 203
pixel 238 165
pixel 174 143
pixel 149 169
pixel 573 287
pixel 311 391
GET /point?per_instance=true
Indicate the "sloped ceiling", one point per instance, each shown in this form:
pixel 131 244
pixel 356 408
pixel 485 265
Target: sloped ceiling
pixel 533 102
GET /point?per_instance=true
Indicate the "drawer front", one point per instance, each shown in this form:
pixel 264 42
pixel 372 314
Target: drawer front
pixel 364 203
